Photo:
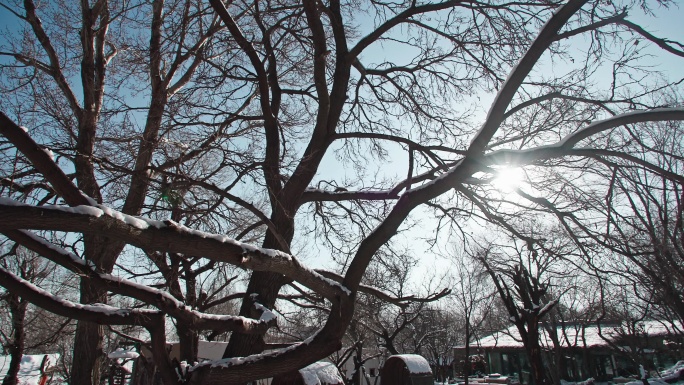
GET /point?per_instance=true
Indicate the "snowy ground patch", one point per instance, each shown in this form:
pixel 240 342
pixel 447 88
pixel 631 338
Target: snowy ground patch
pixel 30 369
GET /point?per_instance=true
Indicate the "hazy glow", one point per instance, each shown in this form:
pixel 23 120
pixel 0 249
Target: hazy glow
pixel 507 178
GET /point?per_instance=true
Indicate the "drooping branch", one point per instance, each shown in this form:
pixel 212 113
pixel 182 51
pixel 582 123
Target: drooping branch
pixel 42 162
pixel 168 236
pixel 154 297
pixel 667 45
pixel 101 314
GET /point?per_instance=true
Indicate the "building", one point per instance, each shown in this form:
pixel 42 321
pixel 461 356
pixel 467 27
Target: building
pixel 584 351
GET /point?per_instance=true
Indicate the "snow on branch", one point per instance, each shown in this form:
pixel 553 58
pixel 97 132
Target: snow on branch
pixel 151 296
pixel 98 313
pixel 161 235
pixel 547 308
pixel 237 361
pixel 657 114
pixel 42 161
pixel 266 314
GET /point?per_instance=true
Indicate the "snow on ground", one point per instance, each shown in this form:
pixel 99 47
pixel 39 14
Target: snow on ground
pixel 29 371
pixel 651 381
pixel 676 372
pixel 673 375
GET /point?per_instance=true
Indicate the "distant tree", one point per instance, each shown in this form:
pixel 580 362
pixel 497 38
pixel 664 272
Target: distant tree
pixel 30 268
pixel 389 321
pixel 648 236
pixel 73 55
pixel 524 284
pixel 249 116
pixel 200 285
pixel 564 326
pixel 441 335
pixel 473 298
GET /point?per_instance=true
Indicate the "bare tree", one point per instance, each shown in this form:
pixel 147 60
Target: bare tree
pixel 75 110
pixel 524 286
pixel 246 103
pixel 473 299
pixel 390 318
pixel 14 339
pixel 649 239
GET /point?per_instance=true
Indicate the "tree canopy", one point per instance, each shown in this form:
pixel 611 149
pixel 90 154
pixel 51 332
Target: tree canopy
pixel 153 149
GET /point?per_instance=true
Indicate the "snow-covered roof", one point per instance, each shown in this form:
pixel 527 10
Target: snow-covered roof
pixel 573 335
pixel 415 364
pixel 29 371
pixel 123 354
pixel 321 373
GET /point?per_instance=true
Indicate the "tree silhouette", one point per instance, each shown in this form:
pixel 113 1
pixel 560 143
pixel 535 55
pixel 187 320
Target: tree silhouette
pixel 245 104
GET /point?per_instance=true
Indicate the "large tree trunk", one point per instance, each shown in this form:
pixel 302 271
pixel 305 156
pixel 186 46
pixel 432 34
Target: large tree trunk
pixel 16 349
pixel 188 341
pixel 537 365
pixel 534 354
pixel 88 343
pixel 88 356
pixel 468 364
pixel 263 288
pixel 266 286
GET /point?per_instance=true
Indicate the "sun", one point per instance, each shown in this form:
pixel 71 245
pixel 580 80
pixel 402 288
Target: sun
pixel 507 178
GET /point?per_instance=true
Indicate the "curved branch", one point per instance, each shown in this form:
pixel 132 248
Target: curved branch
pixel 611 20
pixel 566 145
pixel 519 73
pixel 396 20
pixel 168 236
pixel 662 43
pixel 399 139
pixel 399 301
pixel 98 313
pixel 622 119
pixel 42 162
pixel 158 298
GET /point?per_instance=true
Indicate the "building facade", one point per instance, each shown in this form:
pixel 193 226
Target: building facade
pixel 577 352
